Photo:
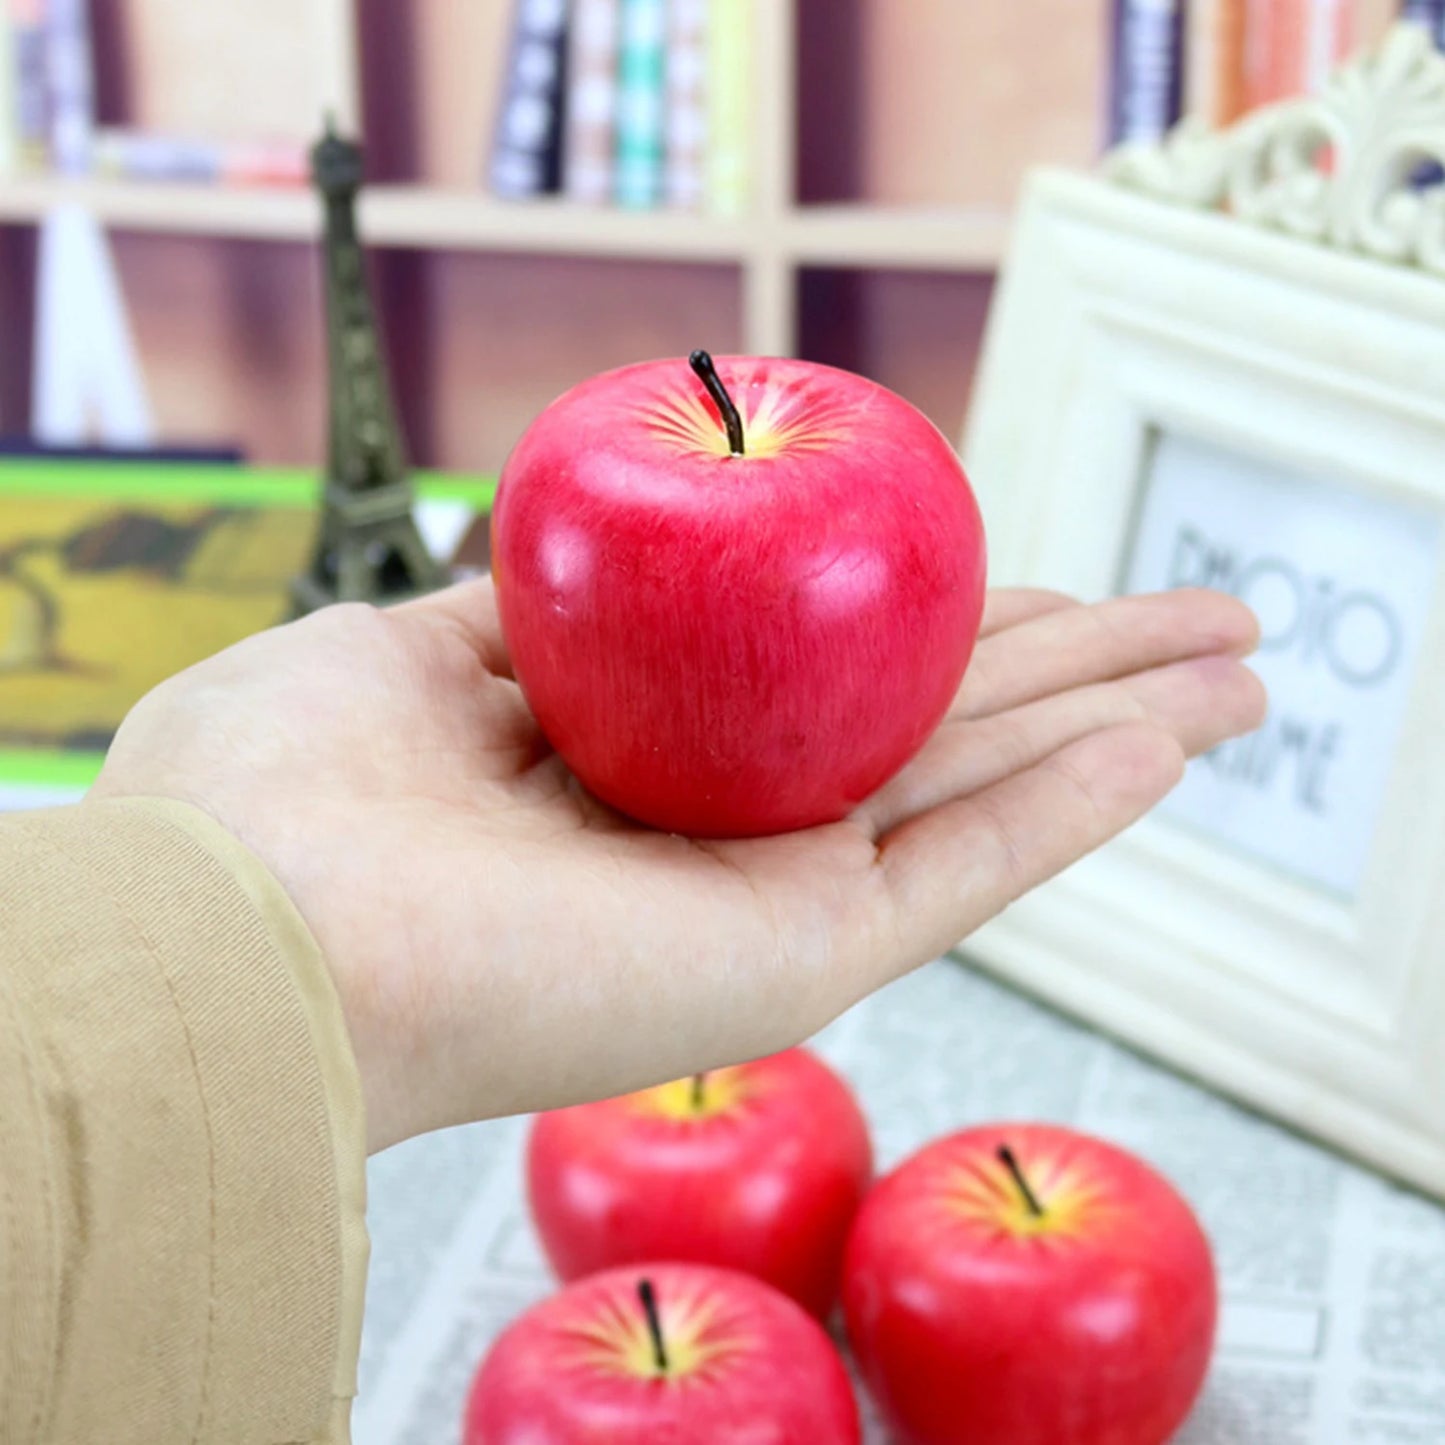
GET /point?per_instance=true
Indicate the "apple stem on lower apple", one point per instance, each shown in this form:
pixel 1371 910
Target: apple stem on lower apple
pixel 648 1296
pixel 1010 1162
pixel 701 362
pixel 699 1088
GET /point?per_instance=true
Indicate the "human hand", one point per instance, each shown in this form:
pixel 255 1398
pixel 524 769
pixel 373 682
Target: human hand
pixel 502 942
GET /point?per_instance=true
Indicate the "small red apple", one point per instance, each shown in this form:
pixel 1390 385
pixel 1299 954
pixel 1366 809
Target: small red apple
pixel 736 605
pixel 675 1355
pixel 759 1168
pixel 1027 1285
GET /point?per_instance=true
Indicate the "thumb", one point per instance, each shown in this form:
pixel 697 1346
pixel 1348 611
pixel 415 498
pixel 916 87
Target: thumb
pixel 469 610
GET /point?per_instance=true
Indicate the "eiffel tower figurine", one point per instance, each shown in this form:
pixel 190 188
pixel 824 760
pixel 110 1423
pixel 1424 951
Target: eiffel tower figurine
pixel 369 548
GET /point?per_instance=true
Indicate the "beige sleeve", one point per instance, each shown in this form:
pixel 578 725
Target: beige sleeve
pixel 182 1153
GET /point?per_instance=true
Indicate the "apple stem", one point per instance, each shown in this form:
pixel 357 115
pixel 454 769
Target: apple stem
pixel 699 1085
pixel 701 363
pixel 648 1296
pixel 1010 1162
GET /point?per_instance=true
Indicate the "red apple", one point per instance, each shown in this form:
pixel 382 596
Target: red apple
pixel 727 645
pixel 758 1168
pixel 1026 1285
pixel 678 1355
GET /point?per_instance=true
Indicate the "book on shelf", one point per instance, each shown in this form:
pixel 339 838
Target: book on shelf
pixel 1329 37
pixel 590 101
pixel 31 81
pixel 1249 53
pixel 47 90
pixel 70 85
pixel 144 156
pixel 640 103
pixel 729 68
pixel 1293 46
pixel 685 167
pixel 1429 13
pixel 1217 88
pixel 9 119
pixel 48 114
pixel 526 157
pixel 641 96
pixel 1146 78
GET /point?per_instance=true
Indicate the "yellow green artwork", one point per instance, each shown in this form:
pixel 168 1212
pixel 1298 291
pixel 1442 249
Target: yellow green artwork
pixel 99 602
pixel 114 577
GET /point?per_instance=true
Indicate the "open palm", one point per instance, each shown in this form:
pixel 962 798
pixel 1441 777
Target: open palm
pixel 501 941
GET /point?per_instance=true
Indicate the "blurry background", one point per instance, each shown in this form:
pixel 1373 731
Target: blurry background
pixel 880 151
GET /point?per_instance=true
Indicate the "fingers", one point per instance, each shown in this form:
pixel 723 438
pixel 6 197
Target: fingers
pixel 1199 703
pixel 951 869
pixel 1009 606
pixel 1077 646
pixel 470 610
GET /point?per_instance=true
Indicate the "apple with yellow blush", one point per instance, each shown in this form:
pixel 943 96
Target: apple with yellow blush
pixel 1029 1285
pixel 668 1355
pixel 760 1168
pixel 738 595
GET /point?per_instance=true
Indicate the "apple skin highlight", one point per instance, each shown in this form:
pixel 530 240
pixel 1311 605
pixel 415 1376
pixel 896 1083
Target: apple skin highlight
pixel 724 645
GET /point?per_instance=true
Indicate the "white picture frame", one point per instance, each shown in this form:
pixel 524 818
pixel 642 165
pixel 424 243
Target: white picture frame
pixel 1226 292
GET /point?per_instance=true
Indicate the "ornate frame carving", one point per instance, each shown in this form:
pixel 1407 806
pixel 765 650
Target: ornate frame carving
pixel 1336 168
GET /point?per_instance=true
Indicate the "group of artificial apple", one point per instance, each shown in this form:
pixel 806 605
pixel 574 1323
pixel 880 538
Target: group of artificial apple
pixel 1008 1285
pixel 739 597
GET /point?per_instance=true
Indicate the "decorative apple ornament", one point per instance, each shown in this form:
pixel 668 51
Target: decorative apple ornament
pixel 1026 1285
pixel 759 1168
pixel 678 1355
pixel 737 598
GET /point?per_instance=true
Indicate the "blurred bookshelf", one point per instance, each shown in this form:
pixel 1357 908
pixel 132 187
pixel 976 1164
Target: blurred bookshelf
pixel 884 154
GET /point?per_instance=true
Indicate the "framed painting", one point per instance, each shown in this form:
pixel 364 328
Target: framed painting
pixel 114 575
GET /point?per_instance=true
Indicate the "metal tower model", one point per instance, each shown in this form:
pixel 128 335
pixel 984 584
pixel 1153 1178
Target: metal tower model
pixel 369 548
